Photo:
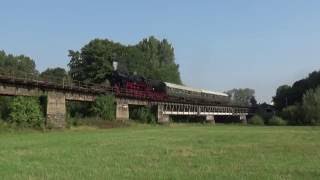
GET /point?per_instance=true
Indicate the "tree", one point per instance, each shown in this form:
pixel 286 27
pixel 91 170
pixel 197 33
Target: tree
pixel 20 66
pixel 242 97
pixel 311 106
pixel 94 63
pixel 150 58
pixel 57 75
pixel 159 58
pixel 134 60
pixel 282 97
pixel 292 95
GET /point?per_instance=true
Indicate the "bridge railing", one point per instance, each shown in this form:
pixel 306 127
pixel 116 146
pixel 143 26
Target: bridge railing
pixel 51 81
pixel 66 83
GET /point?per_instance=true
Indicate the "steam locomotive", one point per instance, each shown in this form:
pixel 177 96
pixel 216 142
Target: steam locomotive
pixel 142 88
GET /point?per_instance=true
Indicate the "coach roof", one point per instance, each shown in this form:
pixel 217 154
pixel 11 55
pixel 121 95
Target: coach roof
pixel 176 86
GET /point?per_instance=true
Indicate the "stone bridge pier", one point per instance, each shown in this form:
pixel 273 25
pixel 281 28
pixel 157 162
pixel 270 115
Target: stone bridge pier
pixel 161 116
pixel 56 110
pixel 122 111
pixel 243 119
pixel 210 119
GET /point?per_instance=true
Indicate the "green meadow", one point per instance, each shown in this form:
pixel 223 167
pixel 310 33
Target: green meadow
pixel 176 151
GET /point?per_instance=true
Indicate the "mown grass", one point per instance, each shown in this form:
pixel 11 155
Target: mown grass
pixel 163 152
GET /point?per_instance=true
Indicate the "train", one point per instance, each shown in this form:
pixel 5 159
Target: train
pixel 139 87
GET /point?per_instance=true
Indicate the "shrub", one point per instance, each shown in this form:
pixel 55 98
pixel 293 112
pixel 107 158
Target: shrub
pixel 256 120
pixel 4 107
pixel 277 121
pixel 293 115
pixel 143 115
pixel 80 109
pixel 26 112
pixel 104 107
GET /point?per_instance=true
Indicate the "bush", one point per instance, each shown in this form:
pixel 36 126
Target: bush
pixel 143 115
pixel 79 109
pixel 277 121
pixel 4 107
pixel 256 120
pixel 26 112
pixel 293 115
pixel 104 107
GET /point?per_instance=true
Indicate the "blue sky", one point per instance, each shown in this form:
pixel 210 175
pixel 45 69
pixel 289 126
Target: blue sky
pixel 219 45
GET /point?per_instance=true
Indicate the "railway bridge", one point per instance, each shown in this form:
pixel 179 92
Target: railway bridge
pixel 58 93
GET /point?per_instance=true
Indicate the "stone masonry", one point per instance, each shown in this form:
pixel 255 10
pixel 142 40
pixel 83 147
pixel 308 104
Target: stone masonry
pixel 56 110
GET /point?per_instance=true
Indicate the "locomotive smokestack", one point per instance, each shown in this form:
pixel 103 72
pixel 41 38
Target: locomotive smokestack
pixel 115 65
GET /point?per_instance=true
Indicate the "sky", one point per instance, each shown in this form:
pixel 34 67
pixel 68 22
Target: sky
pixel 219 44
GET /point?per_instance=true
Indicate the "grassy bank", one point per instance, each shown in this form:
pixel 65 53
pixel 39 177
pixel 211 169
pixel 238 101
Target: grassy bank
pixel 159 152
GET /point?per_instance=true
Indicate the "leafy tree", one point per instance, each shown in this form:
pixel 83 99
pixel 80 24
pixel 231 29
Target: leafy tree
pixel 134 61
pixel 311 106
pixel 282 97
pixel 104 107
pixel 242 97
pixel 94 62
pixel 305 114
pixel 159 58
pixel 57 75
pixel 20 66
pixel 150 58
pixel 291 95
pixel 25 112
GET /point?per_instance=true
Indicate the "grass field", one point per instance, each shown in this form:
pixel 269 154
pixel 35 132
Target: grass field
pixel 161 152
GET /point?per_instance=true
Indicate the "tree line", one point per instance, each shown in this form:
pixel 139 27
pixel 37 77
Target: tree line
pixel 151 58
pixel 299 104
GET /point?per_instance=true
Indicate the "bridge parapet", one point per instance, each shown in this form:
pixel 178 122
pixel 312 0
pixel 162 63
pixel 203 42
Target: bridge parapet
pixel 188 109
pixel 200 110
